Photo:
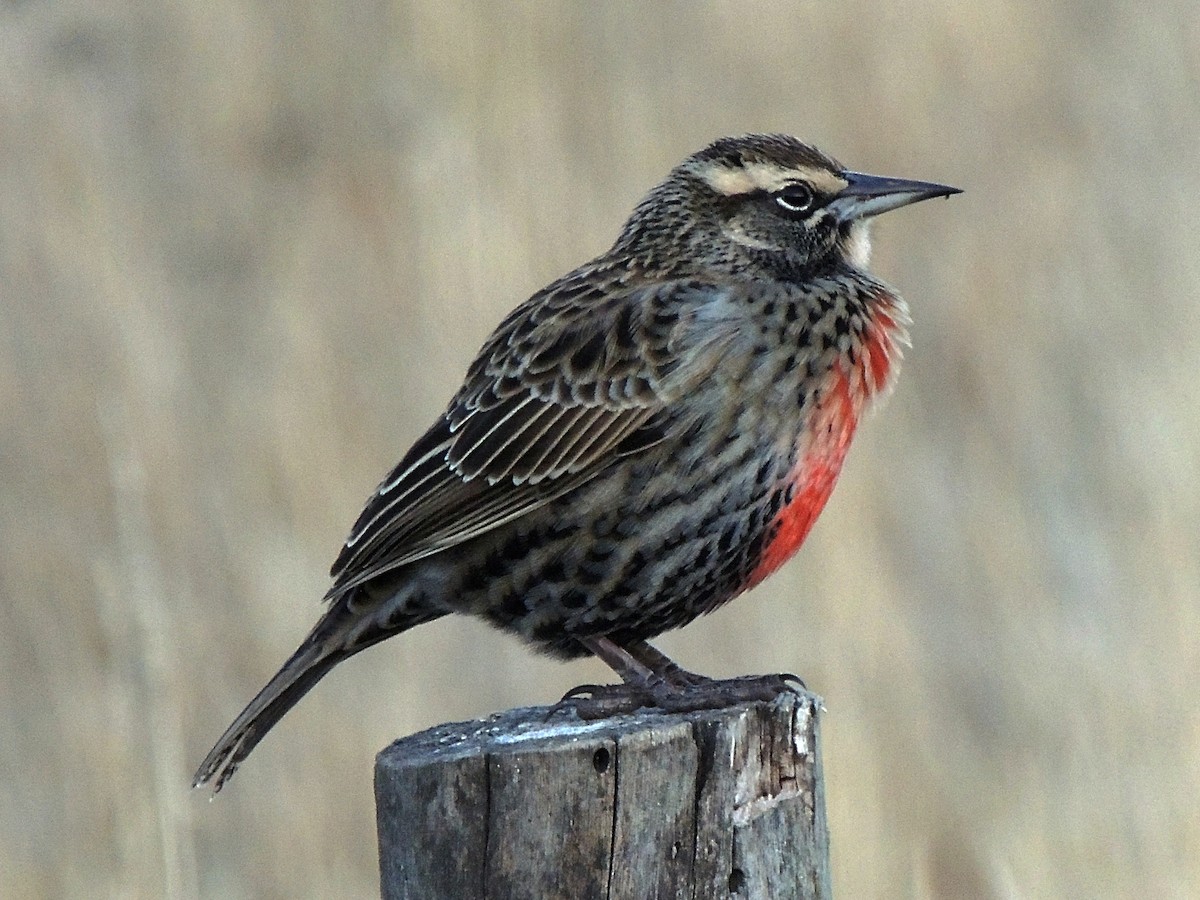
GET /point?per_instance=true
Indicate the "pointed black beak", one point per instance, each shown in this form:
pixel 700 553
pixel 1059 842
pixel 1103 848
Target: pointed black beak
pixel 870 195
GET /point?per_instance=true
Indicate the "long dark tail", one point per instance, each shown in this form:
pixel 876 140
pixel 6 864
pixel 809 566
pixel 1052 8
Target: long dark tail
pixel 337 636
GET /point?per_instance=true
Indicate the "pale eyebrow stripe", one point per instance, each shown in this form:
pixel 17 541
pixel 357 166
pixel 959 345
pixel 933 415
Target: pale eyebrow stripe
pixel 769 177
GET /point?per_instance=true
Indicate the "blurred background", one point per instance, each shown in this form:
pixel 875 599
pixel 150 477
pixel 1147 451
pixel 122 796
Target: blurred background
pixel 248 248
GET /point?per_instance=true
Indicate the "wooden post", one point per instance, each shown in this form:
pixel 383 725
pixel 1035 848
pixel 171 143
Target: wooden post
pixel 726 803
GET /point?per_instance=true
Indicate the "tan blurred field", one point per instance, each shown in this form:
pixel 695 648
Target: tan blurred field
pixel 247 250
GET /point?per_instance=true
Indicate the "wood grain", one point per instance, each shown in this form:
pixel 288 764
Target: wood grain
pixel 717 803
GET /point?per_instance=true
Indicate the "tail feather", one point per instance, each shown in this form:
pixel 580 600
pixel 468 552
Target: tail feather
pixel 299 674
pixel 320 652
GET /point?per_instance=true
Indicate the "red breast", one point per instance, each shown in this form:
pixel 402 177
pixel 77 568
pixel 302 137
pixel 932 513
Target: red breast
pixel 855 382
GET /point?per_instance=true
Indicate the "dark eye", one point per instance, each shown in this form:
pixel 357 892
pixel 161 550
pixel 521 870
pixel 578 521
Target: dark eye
pixel 795 199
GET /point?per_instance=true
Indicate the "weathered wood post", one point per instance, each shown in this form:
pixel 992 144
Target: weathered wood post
pixel 724 803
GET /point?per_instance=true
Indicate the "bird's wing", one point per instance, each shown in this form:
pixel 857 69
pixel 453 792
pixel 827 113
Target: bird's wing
pixel 574 378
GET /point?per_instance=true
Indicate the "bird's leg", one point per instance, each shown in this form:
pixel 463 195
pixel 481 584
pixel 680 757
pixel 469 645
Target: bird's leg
pixel 633 669
pixel 677 676
pixel 652 680
pixel 598 701
pixel 665 667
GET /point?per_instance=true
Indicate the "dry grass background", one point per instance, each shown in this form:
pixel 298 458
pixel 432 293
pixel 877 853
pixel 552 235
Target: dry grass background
pixel 247 249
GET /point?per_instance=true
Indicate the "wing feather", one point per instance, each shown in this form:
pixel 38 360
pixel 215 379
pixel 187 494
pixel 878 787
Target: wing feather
pixel 493 452
pixel 573 379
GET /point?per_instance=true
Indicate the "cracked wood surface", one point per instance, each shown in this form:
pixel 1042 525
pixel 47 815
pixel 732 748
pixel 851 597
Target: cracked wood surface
pixel 724 803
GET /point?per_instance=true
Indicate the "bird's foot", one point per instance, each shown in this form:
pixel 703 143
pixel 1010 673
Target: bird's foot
pixel 679 695
pixel 601 701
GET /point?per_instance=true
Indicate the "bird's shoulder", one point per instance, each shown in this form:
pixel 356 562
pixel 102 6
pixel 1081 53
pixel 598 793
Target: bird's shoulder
pixel 600 336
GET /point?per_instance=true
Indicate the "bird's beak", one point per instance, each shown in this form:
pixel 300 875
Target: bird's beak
pixel 870 195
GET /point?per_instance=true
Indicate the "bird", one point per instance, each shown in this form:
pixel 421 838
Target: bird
pixel 639 442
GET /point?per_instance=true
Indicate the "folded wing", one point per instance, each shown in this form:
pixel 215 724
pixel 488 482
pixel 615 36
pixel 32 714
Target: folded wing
pixel 574 379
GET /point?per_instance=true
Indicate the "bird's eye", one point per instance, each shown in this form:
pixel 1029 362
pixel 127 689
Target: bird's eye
pixel 795 199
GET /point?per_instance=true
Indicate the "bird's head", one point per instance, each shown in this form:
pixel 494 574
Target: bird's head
pixel 765 202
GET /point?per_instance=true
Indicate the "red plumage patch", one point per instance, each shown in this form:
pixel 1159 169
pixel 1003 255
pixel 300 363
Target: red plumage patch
pixel 878 349
pixel 813 478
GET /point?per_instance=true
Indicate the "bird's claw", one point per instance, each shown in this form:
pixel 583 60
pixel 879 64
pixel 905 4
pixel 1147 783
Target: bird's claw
pixel 600 701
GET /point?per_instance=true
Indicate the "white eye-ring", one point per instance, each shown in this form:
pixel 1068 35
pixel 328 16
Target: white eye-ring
pixel 795 198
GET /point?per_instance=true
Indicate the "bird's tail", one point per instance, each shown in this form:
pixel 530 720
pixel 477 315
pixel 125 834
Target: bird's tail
pixel 337 636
